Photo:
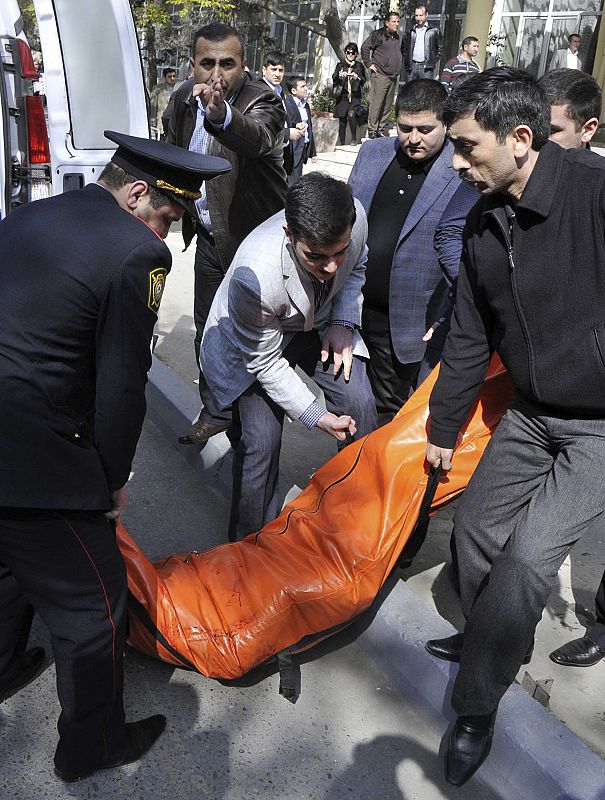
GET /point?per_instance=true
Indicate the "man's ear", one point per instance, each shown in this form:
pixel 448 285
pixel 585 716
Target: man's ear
pixel 288 233
pixel 191 64
pixel 589 129
pixel 523 137
pixel 134 192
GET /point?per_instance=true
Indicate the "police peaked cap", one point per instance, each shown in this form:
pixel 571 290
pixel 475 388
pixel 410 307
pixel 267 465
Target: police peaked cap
pixel 171 169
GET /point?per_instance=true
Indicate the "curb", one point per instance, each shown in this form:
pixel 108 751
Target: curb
pixel 172 405
pixel 534 756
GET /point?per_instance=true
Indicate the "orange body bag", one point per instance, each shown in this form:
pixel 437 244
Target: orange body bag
pixel 319 564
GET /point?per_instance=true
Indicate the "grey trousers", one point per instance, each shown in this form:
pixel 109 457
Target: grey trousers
pixel 537 489
pixel 259 421
pixel 381 101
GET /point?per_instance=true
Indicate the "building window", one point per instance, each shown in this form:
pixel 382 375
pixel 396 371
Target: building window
pixel 530 31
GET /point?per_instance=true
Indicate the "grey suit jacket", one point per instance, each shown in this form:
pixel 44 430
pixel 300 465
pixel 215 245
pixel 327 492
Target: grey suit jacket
pixel 265 298
pixel 559 60
pixel 418 289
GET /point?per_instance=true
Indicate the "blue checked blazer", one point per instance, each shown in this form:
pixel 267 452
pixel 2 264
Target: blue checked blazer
pixel 418 288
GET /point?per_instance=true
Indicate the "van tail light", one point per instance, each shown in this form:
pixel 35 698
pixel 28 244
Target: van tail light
pixel 37 135
pixel 27 62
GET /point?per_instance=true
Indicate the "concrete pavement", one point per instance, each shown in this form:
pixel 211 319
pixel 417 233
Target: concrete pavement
pixel 352 734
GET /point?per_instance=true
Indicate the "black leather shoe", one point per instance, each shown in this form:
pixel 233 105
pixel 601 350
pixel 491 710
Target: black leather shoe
pixel 468 746
pixel 372 135
pixel 140 737
pixel 578 653
pixel 450 648
pixel 200 432
pixel 24 673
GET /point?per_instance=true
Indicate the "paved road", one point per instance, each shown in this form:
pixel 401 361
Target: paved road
pixel 351 735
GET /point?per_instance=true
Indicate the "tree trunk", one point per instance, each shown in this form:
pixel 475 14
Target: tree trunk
pixel 152 61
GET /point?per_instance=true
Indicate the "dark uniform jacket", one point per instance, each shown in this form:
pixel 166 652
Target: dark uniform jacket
pixel 532 287
pixel 81 285
pixel 256 187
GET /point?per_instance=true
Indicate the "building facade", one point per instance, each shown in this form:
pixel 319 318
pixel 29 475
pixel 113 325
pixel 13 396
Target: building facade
pixel 522 33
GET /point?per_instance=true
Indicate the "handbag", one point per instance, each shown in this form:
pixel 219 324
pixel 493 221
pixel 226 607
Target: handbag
pixel 337 91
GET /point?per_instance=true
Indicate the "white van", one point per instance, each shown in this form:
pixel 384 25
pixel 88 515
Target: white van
pixel 94 81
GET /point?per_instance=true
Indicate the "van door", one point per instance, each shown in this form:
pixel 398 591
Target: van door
pixel 94 82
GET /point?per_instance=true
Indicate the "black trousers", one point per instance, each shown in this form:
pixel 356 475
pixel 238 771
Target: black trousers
pixel 597 631
pixel 391 381
pixel 208 277
pixel 67 567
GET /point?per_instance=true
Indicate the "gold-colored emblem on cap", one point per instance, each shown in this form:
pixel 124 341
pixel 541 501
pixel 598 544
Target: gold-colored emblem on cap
pixel 175 190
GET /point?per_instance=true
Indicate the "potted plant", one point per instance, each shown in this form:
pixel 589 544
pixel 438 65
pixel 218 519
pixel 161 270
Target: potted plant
pixel 325 124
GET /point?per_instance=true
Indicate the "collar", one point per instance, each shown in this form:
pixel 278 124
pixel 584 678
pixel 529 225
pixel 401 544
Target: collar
pixel 541 188
pixel 300 103
pixel 417 166
pixel 388 33
pixel 420 27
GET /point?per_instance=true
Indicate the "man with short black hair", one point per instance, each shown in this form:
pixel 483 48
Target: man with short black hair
pixel 299 118
pixel 462 64
pixel 272 73
pixel 159 97
pixel 568 56
pixel 421 46
pixel 222 112
pixel 535 491
pixel 381 56
pixel 404 185
pixel 84 273
pixel 575 106
pixel 291 297
pixel 575 110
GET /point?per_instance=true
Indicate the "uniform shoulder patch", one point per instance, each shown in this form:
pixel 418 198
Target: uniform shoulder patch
pixel 157 281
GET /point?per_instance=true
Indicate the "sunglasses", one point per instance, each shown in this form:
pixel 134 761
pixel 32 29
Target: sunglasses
pixel 350 52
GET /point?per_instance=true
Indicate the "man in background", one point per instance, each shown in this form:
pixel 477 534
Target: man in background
pixel 462 64
pixel 272 73
pixel 298 116
pixel 222 112
pixel 575 106
pixel 381 56
pixel 575 110
pixel 568 57
pixel 421 46
pixel 158 101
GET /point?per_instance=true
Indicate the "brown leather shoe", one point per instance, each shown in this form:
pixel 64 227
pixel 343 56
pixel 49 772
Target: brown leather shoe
pixel 200 432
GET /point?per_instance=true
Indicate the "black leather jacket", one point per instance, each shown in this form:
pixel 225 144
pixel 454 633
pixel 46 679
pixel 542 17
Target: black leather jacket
pixel 432 47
